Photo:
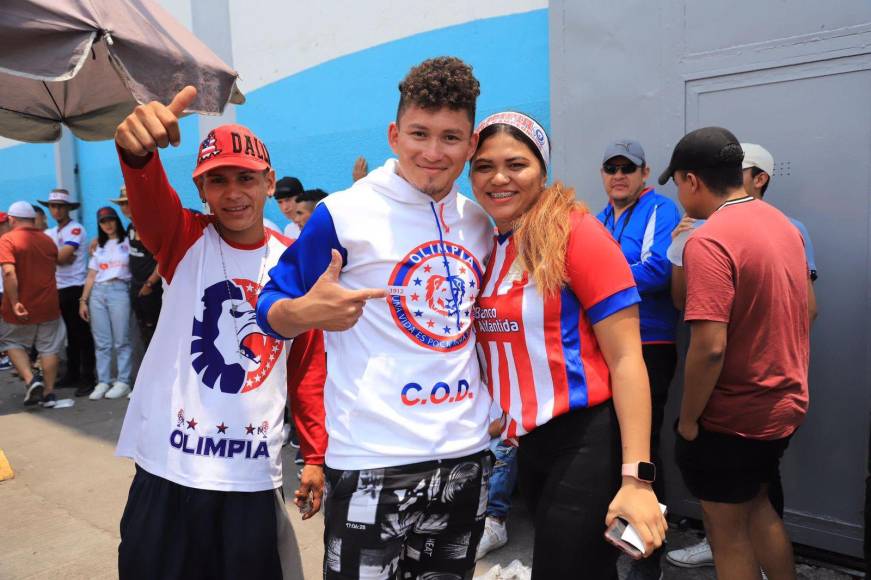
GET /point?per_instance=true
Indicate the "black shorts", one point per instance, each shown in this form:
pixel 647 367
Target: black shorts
pixel 422 520
pixel 173 532
pixel 726 468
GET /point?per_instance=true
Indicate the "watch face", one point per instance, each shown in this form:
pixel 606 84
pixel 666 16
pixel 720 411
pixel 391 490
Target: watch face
pixel 646 471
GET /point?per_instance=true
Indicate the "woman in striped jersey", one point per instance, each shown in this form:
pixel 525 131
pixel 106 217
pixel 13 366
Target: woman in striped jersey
pixel 558 328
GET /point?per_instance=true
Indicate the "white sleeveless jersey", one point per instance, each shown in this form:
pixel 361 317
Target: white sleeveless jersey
pixel 208 403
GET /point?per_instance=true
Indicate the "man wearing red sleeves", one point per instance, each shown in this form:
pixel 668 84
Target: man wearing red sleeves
pixel 205 422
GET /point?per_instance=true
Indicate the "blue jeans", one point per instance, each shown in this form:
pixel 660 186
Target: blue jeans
pixel 109 306
pixel 502 480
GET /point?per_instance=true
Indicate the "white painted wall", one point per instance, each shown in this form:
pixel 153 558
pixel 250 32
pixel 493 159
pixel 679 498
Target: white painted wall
pixel 306 34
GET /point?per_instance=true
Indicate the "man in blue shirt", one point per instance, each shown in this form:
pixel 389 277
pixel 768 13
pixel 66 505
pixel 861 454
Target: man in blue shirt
pixel 641 220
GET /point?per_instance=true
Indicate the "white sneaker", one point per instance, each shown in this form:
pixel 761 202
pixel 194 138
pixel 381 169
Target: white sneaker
pixel 514 571
pixel 118 390
pixel 99 391
pixel 495 536
pixel 693 556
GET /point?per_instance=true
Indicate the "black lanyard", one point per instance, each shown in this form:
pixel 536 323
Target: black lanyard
pixel 625 222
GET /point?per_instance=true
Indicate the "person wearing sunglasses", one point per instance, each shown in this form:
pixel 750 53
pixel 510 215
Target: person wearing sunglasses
pixel 641 220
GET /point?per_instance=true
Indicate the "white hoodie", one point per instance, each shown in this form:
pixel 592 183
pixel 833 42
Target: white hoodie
pixel 403 384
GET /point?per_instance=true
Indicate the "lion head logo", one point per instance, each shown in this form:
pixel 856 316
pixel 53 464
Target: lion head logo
pixel 432 293
pixel 228 348
pixel 445 294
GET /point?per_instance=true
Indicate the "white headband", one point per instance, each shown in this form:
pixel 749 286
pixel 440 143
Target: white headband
pixel 527 125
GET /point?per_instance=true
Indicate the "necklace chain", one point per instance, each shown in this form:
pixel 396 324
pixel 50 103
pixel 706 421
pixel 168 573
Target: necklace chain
pixel 234 307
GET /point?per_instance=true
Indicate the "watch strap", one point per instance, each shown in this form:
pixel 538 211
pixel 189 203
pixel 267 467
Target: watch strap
pixel 632 470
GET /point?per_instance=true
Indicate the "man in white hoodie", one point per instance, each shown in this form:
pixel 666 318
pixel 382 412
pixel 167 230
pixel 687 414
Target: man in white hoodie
pixel 406 414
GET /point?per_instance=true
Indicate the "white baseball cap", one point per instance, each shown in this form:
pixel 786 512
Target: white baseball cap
pixel 757 156
pixel 22 209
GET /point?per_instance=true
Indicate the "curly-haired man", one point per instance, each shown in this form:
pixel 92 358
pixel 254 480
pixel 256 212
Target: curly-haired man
pixel 407 462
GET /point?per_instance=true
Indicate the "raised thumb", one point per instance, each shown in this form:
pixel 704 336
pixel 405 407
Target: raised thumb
pixel 182 100
pixel 332 271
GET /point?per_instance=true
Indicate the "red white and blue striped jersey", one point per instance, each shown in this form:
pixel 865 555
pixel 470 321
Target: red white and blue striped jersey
pixel 541 356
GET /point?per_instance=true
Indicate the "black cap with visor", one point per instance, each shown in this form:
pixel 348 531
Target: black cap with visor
pixel 288 187
pixel 703 149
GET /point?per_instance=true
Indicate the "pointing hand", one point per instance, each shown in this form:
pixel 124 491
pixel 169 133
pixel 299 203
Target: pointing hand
pixel 335 307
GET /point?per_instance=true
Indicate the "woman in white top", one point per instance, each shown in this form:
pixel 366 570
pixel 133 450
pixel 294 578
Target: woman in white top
pixel 105 303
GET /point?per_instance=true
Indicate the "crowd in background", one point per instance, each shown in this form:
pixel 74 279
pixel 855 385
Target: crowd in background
pixel 63 289
pixel 99 283
pixel 105 288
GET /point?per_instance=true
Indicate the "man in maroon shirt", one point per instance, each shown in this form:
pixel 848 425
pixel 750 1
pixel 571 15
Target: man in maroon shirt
pixel 745 382
pixel 30 309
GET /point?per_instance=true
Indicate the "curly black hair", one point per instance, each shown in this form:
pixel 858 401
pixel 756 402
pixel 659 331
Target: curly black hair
pixel 444 81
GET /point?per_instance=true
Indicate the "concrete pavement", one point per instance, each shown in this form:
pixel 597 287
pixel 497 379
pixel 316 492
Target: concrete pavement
pixel 59 516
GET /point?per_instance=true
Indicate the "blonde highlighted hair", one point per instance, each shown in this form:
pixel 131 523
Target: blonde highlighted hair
pixel 542 235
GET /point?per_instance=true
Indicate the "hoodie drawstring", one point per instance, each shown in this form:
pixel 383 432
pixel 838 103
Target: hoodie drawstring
pixel 450 277
pixel 442 216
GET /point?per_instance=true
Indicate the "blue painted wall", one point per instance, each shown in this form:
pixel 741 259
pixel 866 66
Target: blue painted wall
pixel 318 121
pixel 26 173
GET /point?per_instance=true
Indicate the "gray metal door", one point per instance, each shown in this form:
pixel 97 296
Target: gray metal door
pixel 795 78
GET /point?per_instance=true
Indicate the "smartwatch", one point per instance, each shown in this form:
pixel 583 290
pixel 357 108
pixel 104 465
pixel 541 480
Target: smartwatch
pixel 640 470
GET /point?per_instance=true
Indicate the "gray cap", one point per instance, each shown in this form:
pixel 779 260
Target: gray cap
pixel 628 148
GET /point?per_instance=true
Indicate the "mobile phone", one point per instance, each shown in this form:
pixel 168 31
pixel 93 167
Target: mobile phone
pixel 615 534
pixel 624 536
pixel 306 505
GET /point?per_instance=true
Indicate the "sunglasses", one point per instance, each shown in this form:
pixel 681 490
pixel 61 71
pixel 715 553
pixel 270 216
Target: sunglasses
pixel 624 169
pixel 106 220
